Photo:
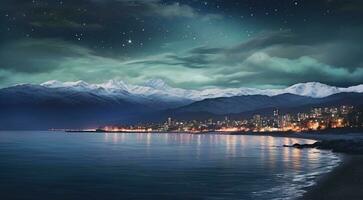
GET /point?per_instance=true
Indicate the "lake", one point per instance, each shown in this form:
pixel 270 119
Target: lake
pixel 59 165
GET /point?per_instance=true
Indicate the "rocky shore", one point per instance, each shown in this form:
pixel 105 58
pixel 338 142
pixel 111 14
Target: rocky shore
pixel 344 182
pixel 352 147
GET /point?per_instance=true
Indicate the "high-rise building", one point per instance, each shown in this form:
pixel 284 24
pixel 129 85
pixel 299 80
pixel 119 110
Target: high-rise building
pixel 276 119
pixel 169 121
pixel 257 121
pixel 276 112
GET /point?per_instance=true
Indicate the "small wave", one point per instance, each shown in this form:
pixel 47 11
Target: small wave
pixel 296 183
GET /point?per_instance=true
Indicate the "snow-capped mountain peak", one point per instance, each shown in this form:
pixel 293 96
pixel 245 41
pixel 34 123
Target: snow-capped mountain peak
pixel 312 89
pixel 52 84
pixel 78 84
pixel 115 84
pixel 158 89
pixel 357 88
pixel 156 84
pixel 58 84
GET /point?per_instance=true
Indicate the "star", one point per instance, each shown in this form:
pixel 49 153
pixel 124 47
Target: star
pixel 142 27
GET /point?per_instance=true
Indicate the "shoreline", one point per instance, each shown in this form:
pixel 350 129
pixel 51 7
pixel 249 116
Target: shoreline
pixel 309 135
pixel 328 134
pixel 343 182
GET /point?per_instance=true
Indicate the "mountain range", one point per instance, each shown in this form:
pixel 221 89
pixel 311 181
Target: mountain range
pixel 56 104
pixel 159 89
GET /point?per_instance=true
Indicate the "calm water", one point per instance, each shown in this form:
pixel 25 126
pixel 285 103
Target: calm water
pixel 58 165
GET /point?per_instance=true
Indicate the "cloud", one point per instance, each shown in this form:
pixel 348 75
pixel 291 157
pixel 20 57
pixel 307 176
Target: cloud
pixel 64 23
pixel 342 50
pixel 34 56
pixel 36 61
pixel 345 5
pixel 172 10
pixel 273 70
pixel 179 10
pixel 95 15
pixel 176 9
pixel 270 58
pixel 157 8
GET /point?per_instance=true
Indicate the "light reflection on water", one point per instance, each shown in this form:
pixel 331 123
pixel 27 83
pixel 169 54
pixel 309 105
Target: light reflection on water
pixel 157 166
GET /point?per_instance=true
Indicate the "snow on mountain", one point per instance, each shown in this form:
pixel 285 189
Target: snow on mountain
pixel 156 84
pixel 113 84
pixel 78 85
pixel 158 89
pixel 357 88
pixel 312 89
pixel 52 84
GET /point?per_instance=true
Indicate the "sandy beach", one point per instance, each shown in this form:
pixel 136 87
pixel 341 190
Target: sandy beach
pixel 345 182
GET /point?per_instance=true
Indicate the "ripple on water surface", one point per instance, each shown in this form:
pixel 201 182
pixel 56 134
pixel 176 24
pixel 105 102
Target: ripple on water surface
pixel 58 165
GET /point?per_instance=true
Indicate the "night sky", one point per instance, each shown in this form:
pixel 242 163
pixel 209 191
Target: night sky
pixel 188 44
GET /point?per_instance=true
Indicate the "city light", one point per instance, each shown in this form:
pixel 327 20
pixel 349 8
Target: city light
pixel 276 121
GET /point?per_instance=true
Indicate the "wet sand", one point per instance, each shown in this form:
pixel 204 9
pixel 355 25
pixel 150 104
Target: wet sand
pixel 346 181
pixel 343 183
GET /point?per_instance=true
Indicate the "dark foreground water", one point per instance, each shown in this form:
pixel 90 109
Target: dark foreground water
pixel 58 165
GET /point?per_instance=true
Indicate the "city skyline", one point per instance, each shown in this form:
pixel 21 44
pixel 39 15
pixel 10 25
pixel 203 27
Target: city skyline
pixel 317 119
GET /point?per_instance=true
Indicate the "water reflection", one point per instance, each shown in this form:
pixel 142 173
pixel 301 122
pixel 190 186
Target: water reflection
pixel 158 166
pixel 234 145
